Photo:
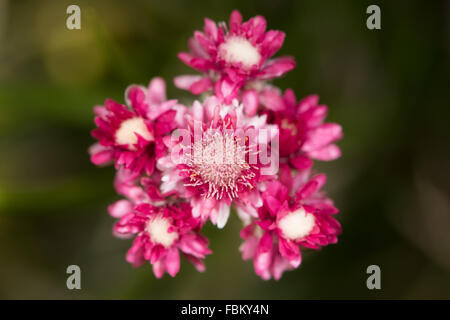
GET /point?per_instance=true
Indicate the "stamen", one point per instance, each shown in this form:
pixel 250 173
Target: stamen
pixel 218 160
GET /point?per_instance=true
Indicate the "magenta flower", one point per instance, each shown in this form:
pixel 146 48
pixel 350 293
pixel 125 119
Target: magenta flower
pixel 161 234
pixel 219 163
pixel 287 223
pixel 132 136
pixel 303 135
pixel 231 58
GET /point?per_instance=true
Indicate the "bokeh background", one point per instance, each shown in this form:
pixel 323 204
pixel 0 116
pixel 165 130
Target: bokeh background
pixel 388 88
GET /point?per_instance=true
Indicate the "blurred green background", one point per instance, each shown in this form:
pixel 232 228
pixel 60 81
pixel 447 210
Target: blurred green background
pixel 388 88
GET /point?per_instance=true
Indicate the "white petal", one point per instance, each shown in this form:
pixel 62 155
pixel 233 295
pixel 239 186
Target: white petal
pixel 224 213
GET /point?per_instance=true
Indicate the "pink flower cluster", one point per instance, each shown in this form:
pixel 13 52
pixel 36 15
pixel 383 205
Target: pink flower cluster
pixel 179 167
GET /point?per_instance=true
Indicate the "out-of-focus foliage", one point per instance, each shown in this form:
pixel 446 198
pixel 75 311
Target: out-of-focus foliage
pixel 388 88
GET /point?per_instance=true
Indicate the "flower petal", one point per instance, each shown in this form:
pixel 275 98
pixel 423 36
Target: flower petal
pixel 277 67
pixel 328 153
pixel 224 213
pixel 172 261
pixel 250 100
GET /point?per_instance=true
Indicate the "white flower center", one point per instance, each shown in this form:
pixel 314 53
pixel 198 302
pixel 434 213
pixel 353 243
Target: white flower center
pixel 238 49
pixel 297 225
pixel 126 134
pixel 218 160
pixel 157 228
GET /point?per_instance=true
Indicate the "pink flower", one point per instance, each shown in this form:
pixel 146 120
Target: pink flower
pixel 287 223
pixel 132 135
pixel 230 58
pixel 303 135
pixel 162 233
pixel 218 161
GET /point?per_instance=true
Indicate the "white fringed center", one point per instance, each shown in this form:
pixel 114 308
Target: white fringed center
pixel 218 160
pixel 238 49
pixel 126 134
pixel 297 225
pixel 157 228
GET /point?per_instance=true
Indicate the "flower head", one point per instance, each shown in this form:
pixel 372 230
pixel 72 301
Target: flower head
pixel 162 233
pixel 303 133
pixel 231 57
pixel 218 160
pixel 131 135
pixel 287 222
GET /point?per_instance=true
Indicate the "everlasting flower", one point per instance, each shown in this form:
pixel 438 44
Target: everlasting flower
pixel 303 133
pixel 162 233
pixel 219 161
pixel 132 135
pixel 231 58
pixel 287 223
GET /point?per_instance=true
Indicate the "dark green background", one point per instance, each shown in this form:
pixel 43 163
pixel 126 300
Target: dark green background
pixel 388 88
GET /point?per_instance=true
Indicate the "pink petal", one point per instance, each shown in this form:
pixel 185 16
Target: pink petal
pixel 286 175
pixel 273 40
pixel 277 67
pixel 272 100
pixel 100 155
pixel 226 90
pixel 156 110
pixel 197 263
pixel 155 253
pixel 248 248
pixel 301 162
pixel 100 111
pixel 250 101
pixel 288 249
pixel 185 57
pixel 136 98
pixel 327 153
pixel 262 263
pixel 255 28
pixel 200 86
pixel 159 269
pixel 322 136
pixel 321 179
pixel 307 190
pixel 307 103
pixel 265 243
pixel 172 261
pixel 119 208
pixel 300 178
pixel 165 122
pixel 280 264
pixel 207 45
pixel 202 208
pixel 211 29
pixel 316 116
pixel 201 64
pixel 289 99
pixel 235 21
pixel 194 245
pixel 197 111
pixel 272 204
pixel 197 49
pixel 157 91
pixel 135 254
pixel 185 82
